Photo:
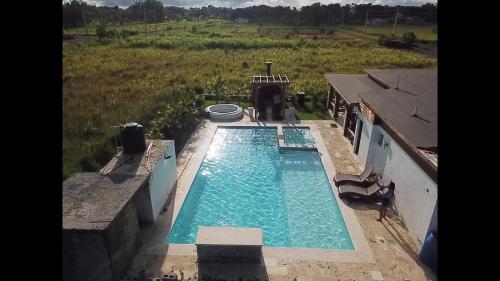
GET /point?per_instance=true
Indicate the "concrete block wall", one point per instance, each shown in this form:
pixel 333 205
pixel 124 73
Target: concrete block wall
pixel 102 255
pixel 82 250
pixel 123 239
pixel 233 253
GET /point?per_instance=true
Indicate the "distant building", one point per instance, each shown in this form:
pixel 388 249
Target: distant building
pixel 241 20
pixel 377 21
pixel 413 20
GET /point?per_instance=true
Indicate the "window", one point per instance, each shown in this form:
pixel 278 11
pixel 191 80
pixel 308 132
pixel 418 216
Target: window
pixel 380 139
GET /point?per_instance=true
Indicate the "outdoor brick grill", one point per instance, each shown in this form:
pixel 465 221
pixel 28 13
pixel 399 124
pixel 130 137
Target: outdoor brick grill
pixel 269 94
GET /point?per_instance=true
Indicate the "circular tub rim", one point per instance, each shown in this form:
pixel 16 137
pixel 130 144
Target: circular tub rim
pixel 225 116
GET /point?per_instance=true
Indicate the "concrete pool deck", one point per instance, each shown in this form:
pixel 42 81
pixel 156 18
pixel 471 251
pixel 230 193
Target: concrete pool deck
pixel 382 250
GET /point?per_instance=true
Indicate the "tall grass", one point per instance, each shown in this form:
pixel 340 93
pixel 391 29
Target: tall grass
pixel 132 78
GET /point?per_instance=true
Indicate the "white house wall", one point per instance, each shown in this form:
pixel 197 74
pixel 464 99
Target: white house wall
pixel 365 142
pixel 416 192
pixel 162 180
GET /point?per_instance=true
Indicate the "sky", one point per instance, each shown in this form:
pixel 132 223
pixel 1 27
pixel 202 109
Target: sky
pixel 247 3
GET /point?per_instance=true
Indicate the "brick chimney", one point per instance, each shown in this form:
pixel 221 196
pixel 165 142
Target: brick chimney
pixel 269 64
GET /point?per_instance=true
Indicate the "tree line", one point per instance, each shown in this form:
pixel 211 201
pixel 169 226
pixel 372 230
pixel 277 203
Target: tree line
pixel 77 13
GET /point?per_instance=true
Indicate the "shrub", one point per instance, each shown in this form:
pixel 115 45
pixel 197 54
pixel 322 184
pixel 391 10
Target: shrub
pixel 394 43
pixel 126 33
pixel 67 36
pixel 100 31
pixel 382 40
pixel 244 64
pixel 409 38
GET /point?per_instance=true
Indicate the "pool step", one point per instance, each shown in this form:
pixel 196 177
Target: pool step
pixel 282 145
pixel 299 147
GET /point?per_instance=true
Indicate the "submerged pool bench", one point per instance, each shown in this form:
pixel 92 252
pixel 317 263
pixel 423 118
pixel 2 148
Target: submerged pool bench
pixel 229 244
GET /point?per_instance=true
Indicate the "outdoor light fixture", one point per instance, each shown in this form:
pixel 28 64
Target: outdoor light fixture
pixel 167 156
pixel 386 144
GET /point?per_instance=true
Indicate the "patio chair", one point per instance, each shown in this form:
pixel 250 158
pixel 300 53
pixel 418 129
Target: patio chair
pixel 370 192
pixel 360 180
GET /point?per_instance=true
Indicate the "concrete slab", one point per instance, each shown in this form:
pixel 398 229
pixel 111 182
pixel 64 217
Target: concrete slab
pixel 240 236
pixel 376 275
pixel 92 201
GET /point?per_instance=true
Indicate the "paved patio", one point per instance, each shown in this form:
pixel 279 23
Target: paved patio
pixel 394 254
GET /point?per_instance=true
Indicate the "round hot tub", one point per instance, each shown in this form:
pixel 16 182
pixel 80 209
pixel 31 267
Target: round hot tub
pixel 224 112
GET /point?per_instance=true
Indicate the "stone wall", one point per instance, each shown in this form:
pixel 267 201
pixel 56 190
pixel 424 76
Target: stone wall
pixel 123 238
pixel 101 255
pixel 85 256
pixel 233 253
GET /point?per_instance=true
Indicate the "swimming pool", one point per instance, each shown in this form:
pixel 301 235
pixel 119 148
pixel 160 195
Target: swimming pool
pixel 298 135
pixel 245 180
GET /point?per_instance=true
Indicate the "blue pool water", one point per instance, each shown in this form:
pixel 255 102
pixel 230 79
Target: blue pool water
pixel 297 135
pixel 246 181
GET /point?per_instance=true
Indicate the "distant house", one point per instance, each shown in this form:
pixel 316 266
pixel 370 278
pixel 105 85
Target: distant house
pixel 413 20
pixel 377 21
pixel 390 118
pixel 241 20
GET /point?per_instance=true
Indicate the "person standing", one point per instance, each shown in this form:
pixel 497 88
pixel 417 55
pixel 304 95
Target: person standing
pixel 387 198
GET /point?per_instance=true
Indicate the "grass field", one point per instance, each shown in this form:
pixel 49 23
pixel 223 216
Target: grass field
pixel 132 78
pixel 424 34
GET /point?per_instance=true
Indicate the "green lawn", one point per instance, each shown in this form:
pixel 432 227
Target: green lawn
pixel 423 33
pixel 309 112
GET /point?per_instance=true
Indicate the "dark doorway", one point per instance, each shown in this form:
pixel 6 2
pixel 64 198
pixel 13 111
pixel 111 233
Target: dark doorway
pixel 269 96
pixel 358 136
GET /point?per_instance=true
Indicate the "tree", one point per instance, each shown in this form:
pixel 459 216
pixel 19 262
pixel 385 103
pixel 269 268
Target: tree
pixel 73 13
pixel 151 7
pixel 409 38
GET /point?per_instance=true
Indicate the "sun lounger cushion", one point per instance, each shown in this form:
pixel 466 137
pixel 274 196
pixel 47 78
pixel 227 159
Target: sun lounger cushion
pixel 360 191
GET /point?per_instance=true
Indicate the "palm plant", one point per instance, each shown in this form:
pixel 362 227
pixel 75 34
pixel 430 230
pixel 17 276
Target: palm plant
pixel 217 87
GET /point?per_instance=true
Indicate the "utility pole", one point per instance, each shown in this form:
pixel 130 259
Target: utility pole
pixel 298 18
pixel 85 22
pixel 395 21
pixel 145 28
pixel 342 17
pixel 366 20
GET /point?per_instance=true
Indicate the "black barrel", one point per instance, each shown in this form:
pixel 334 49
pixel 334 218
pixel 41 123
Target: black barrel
pixel 133 138
pixel 301 98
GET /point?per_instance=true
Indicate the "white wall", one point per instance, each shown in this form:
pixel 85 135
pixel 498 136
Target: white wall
pixel 366 141
pixel 416 192
pixel 162 180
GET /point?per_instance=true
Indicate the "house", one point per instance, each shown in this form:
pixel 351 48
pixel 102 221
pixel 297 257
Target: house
pixel 377 21
pixel 389 116
pixel 241 20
